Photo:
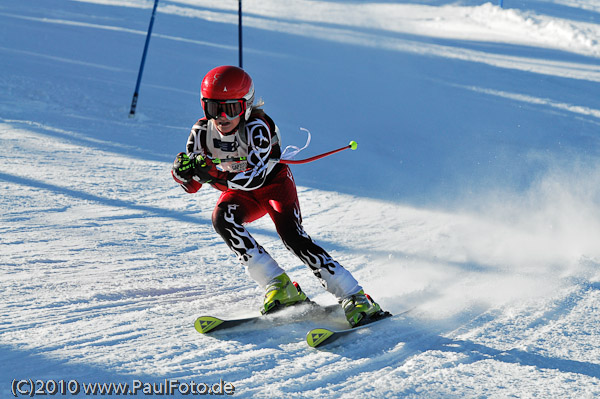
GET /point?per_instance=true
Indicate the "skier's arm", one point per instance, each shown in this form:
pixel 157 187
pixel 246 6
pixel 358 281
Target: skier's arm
pixel 259 150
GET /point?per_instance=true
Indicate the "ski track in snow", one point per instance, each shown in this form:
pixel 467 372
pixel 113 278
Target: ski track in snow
pixel 105 262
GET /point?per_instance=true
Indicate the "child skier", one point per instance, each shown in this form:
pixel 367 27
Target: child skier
pixel 246 142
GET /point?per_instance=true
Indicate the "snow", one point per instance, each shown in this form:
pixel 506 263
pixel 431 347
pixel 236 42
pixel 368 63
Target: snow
pixel 473 195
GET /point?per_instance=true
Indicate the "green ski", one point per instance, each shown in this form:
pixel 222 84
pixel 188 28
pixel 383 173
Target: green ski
pixel 325 336
pixel 208 324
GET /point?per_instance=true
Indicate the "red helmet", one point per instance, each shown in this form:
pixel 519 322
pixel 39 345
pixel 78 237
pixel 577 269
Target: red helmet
pixel 228 83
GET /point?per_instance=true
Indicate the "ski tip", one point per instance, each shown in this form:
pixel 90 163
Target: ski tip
pixel 205 324
pixel 353 145
pixel 317 336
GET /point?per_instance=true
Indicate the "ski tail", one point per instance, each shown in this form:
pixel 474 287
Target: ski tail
pixel 306 310
pixel 317 336
pixel 205 324
pixel 323 336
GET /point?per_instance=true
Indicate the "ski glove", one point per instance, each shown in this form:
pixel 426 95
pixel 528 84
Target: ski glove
pixel 206 172
pixel 183 173
pixel 192 172
pixel 183 167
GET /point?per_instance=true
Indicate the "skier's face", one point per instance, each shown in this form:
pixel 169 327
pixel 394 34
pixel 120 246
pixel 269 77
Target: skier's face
pixel 224 125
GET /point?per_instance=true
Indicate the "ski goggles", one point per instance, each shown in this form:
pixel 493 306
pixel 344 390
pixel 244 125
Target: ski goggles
pixel 215 108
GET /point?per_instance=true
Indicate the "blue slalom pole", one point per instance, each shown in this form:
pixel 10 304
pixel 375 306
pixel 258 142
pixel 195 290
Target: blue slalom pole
pixel 139 78
pixel 240 31
pixel 501 3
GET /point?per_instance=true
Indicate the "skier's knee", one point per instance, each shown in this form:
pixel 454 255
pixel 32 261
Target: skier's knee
pixel 218 218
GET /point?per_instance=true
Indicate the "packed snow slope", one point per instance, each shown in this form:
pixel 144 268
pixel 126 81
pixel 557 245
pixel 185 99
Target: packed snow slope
pixel 473 196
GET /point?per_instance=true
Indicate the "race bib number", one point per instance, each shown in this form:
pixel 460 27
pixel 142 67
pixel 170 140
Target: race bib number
pixel 236 167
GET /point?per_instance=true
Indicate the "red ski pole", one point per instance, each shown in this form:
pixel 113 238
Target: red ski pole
pixel 352 146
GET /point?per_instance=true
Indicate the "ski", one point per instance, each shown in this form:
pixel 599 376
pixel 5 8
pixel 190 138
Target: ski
pixel 205 324
pixel 325 336
pixel 208 324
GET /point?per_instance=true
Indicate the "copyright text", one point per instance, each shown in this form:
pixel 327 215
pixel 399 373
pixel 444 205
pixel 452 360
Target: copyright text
pixel 31 388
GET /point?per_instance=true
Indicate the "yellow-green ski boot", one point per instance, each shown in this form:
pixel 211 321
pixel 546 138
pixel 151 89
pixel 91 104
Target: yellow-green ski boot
pixel 361 309
pixel 281 292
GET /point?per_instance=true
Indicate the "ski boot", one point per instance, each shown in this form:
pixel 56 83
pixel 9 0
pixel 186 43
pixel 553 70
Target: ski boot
pixel 361 309
pixel 281 292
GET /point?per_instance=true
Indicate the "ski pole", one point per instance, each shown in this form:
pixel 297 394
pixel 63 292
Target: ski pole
pixel 353 144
